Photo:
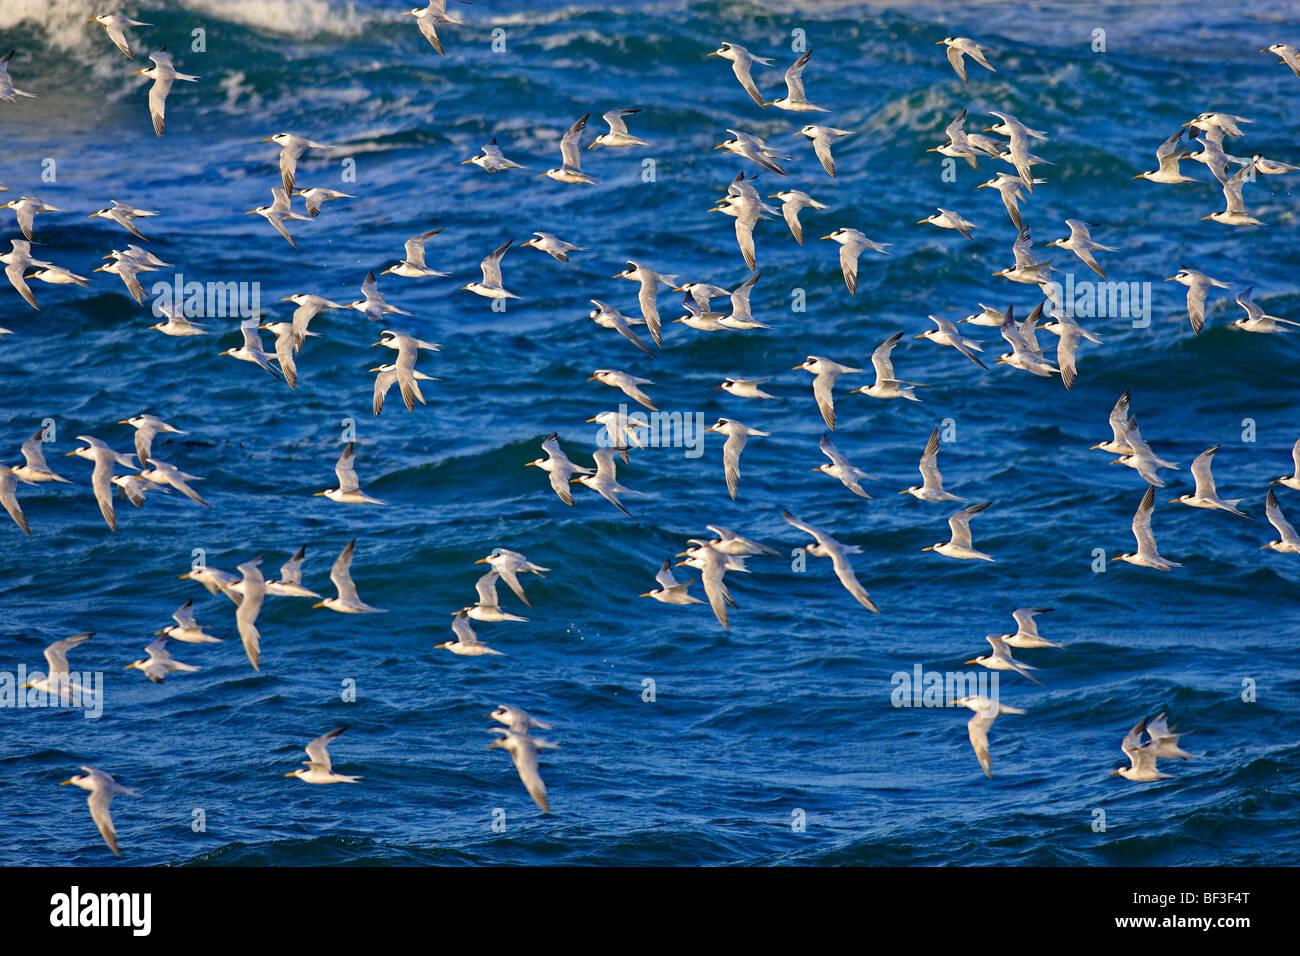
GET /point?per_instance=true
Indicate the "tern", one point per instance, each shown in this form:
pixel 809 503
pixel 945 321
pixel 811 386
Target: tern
pixel 960 47
pixel 557 465
pixel 164 75
pixel 36 470
pixel 931 487
pixel 17 261
pixel 1142 757
pixel 795 100
pixel 347 601
pixel 57 681
pixel 318 196
pixel 825 373
pixel 1141 458
pixel 1000 659
pixel 413 267
pixel 510 564
pixel 960 545
pixel 821 138
pixel 116 28
pixel 885 385
pixel 101 478
pixel 488 607
pixel 754 149
pixel 737 434
pixel 1081 244
pixel 290 583
pixel 1017 152
pixel 1227 123
pixel 744 387
pixel 1198 285
pixel 284 350
pixel 148 427
pixel 792 202
pixel 523 751
pixel 1272 167
pixel 1288 541
pixel 161 473
pixel 840 468
pixel 741 62
pixel 627 383
pixel 618 134
pixel 306 308
pixel 553 246
pixel 467 643
pixel 1070 332
pixel 251 350
pixel 187 629
pixel 252 590
pixel 278 213
pixel 102 789
pixel 977 728
pixel 947 219
pixel 670 590
pixel 647 297
pixel 1026 270
pixel 946 334
pixel 517 719
pixel 26 210
pixel 1235 212
pixel 1164 742
pixel 318 766
pixel 349 489
pixel 1146 555
pixel 176 324
pixel 490 159
pixel 570 168
pixel 122 214
pixel 1170 152
pixel 1008 187
pixel 1291 481
pixel 1290 55
pixel 9 92
pixel 1026 634
pixel 852 244
pixel 827 547
pixel 1119 426
pixel 428 18
pixel 608 317
pixel 9 499
pixel 127 267
pixel 1026 354
pixel 730 543
pixel 713 566
pixel 371 304
pixel 604 481
pixel 1256 320
pixel 491 286
pixel 403 371
pixel 57 275
pixel 1205 495
pixel 747 211
pixel 159 663
pixel 291 149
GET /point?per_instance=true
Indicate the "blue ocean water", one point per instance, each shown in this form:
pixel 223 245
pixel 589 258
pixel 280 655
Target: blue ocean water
pixel 787 716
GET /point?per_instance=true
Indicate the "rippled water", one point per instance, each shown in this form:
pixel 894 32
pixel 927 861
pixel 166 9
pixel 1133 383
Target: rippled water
pixel 789 711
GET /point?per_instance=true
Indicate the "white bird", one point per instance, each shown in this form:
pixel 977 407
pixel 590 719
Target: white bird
pixel 741 62
pixel 467 643
pixel 1234 213
pixel 977 728
pixel 159 663
pixel 102 789
pixel 1119 425
pixel 57 681
pixel 647 297
pixel 372 304
pixel 429 17
pixel 490 159
pixel 947 219
pixel 517 719
pixel 839 467
pixel 747 211
pixel 557 465
pixel 1225 123
pixel 26 209
pixel 825 373
pixel 402 372
pixel 349 489
pixel 290 583
pixel 9 498
pixel 1168 156
pixel 216 581
pixel 1017 151
pixel 1142 757
pixel 1140 457
pixel 278 213
pixel 413 267
pixel 318 766
pixel 122 214
pixel 1000 659
pixel 347 601
pixel 187 629
pixel 729 543
pixel 1288 541
pixel 737 434
pixel 827 547
pixel 17 261
pixel 252 590
pixel 960 545
pixel 488 607
pixel 670 590
pixel 252 350
pixel 164 75
pixel 792 202
pixel 931 487
pixel 608 317
pixel 318 196
pixel 1205 495
pixel 147 428
pixel 553 246
pixel 605 481
pixel 618 134
pixel 36 470
pixel 946 333
pixel 1291 481
pixel 1290 55
pixel 1164 742
pixel 9 92
pixel 1272 167
pixel 284 349
pixel 1256 320
pixel 796 100
pixel 116 28
pixel 959 47
pixel 852 244
pixel 523 751
pixel 176 324
pixel 627 383
pixel 162 473
pixel 570 168
pixel 755 149
pixel 57 275
pixel 1027 270
pixel 1080 242
pixel 510 564
pixel 101 478
pixel 1146 556
pixel 1026 634
pixel 491 286
pixel 1069 332
pixel 713 566
pixel 1026 354
pixel 821 138
pixel 744 387
pixel 291 149
pixel 1008 187
pixel 306 308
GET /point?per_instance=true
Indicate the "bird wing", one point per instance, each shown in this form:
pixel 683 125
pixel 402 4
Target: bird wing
pixel 1024 618
pixel 56 655
pixel 99 800
pixel 960 524
pixel 1119 418
pixel 665 578
pixel 822 147
pixel 731 450
pixel 929 467
pixel 317 752
pixel 162 85
pixel 184 615
pixel 977 728
pixel 383 382
pixel 823 386
pixel 711 578
pixel 569 150
pixel 291 570
pixel 525 758
pixel 794 78
pixel 740 66
pixel 881 361
pixel 1201 473
pixel 614 119
pixel 1146 540
pixel 492 265
pixel 415 246
pixel 844 571
pixel 346 470
pixel 341 575
pixel 486 586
